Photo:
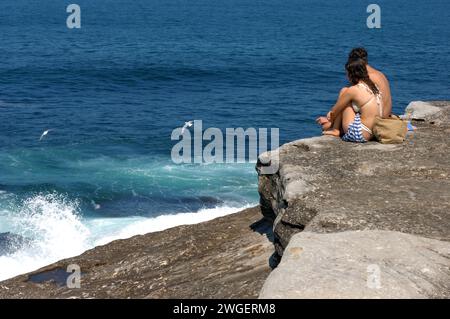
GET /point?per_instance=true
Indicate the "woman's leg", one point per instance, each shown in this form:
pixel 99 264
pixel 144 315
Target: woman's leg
pixel 336 127
pixel 326 126
pixel 348 117
pixel 341 123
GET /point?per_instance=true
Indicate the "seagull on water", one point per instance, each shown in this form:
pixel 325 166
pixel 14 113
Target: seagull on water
pixel 44 134
pixel 185 126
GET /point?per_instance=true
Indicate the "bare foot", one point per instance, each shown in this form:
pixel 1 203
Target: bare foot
pixel 332 132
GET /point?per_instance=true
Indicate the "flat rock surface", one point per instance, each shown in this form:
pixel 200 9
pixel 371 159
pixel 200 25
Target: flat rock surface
pixel 224 258
pixel 361 264
pixel 341 210
pixel 326 185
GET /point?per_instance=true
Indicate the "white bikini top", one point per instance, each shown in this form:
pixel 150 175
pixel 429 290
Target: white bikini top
pixel 378 96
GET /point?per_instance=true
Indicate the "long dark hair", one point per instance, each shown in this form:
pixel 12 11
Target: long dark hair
pixel 357 71
pixel 358 53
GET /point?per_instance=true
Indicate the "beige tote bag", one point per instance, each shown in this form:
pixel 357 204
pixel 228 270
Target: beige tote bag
pixel 390 130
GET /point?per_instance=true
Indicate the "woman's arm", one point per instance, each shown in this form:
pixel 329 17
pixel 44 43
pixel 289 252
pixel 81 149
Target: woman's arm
pixel 345 97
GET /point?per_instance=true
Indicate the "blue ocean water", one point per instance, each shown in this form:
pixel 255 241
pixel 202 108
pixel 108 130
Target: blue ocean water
pixel 114 90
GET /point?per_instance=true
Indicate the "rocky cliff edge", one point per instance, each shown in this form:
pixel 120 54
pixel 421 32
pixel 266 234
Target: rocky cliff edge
pixel 362 220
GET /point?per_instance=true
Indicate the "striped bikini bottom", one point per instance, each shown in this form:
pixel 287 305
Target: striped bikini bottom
pixel 354 133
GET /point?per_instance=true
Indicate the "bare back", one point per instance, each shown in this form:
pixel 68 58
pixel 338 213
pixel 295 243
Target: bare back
pixel 383 84
pixel 367 104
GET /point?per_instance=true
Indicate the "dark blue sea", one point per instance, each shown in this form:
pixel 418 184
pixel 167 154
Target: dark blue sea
pixel 113 91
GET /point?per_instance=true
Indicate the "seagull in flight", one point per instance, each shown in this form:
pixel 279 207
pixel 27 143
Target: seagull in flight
pixel 45 134
pixel 185 126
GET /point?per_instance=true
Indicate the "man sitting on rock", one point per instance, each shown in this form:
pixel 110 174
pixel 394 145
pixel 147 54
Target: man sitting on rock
pixel 377 77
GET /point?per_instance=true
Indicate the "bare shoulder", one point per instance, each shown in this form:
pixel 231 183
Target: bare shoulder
pixel 352 89
pixel 382 75
pixel 377 74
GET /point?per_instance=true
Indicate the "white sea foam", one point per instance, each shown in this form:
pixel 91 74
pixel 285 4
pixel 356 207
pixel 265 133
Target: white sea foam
pixel 139 225
pixel 57 232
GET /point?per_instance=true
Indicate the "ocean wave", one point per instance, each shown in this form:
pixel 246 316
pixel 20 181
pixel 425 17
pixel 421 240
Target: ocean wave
pixel 139 225
pixel 54 230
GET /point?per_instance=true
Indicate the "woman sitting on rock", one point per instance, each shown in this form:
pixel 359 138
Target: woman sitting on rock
pixel 353 115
